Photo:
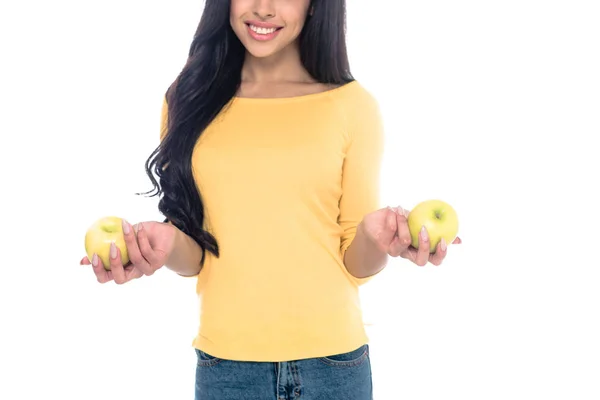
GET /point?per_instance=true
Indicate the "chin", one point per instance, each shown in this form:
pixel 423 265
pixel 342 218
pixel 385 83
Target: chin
pixel 261 52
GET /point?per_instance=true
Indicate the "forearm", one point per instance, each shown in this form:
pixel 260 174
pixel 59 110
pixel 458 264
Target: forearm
pixel 363 258
pixel 186 255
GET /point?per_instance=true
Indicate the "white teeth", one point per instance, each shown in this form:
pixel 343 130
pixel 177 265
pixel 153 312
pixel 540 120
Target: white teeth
pixel 262 31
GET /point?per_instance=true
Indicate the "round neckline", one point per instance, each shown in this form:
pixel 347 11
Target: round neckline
pixel 309 96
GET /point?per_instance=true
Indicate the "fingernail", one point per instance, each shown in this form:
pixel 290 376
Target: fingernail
pixel 424 235
pixel 140 226
pixel 443 244
pixel 126 228
pixel 113 250
pixel 95 260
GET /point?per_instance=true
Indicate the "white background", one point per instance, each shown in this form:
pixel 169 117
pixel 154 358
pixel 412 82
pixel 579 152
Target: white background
pixel 491 106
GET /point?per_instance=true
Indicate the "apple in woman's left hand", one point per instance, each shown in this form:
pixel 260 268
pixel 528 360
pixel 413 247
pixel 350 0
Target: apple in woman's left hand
pixel 388 229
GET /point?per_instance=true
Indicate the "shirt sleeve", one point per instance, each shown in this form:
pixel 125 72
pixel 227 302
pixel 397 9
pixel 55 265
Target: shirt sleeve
pixel 361 169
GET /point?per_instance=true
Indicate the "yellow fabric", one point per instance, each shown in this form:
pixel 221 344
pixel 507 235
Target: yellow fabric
pixel 285 183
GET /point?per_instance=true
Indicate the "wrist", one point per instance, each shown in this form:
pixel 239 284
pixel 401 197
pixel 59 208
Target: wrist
pixel 185 255
pixel 364 257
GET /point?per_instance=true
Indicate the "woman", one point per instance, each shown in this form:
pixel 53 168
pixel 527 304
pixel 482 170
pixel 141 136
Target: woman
pixel 268 172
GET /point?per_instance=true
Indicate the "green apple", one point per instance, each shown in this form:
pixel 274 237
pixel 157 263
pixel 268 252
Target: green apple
pixel 438 217
pixel 100 235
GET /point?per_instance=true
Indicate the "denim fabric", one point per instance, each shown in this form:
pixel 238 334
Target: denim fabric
pixel 338 377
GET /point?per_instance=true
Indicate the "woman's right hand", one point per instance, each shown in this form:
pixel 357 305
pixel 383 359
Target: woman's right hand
pixel 149 245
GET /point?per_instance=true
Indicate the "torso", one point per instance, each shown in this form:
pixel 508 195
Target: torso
pixel 272 169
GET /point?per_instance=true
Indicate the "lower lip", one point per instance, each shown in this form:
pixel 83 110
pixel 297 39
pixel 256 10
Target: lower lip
pixel 261 37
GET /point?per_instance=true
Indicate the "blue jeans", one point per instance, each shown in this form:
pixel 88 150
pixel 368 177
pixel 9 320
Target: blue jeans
pixel 338 377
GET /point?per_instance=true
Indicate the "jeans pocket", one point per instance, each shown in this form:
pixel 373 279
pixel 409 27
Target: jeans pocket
pixel 351 359
pixel 206 360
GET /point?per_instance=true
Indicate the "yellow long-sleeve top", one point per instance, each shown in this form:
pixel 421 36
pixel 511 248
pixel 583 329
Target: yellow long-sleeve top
pixel 285 182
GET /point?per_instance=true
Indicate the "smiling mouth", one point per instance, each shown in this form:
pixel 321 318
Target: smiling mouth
pixel 262 30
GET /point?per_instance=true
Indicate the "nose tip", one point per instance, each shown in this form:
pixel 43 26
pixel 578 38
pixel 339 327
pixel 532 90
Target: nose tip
pixel 264 9
pixel 264 15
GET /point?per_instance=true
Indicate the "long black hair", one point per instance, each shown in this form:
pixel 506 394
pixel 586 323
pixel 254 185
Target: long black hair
pixel 209 80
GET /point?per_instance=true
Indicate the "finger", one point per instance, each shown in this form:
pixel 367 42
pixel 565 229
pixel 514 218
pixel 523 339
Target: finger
pixel 395 248
pixel 146 251
pixel 133 250
pixel 402 231
pixel 116 267
pixel 457 240
pixel 131 272
pixel 403 211
pixel 385 236
pixel 423 251
pixel 85 261
pixel 440 253
pixel 101 273
pixel 402 238
pixel 410 254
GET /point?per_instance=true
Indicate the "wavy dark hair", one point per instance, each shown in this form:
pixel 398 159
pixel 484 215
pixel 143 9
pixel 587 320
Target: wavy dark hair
pixel 207 83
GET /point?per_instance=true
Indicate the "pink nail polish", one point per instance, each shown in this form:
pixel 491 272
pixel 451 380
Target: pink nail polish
pixel 126 228
pixel 95 260
pixel 424 235
pixel 443 244
pixel 113 250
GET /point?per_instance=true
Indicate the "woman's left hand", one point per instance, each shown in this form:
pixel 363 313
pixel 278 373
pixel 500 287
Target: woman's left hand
pixel 388 229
